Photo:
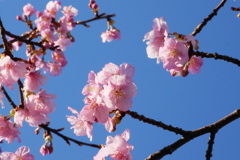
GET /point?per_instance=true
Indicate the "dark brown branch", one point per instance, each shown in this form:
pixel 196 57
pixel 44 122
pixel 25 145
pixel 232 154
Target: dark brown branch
pixel 23 39
pixel 208 18
pixel 20 86
pixel 67 139
pixel 216 56
pixel 196 133
pixel 8 97
pixel 101 16
pixel 235 9
pixel 210 145
pixel 4 40
pixel 156 123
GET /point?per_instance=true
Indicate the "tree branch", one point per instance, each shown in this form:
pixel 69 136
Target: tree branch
pixel 4 40
pixel 210 145
pixel 67 139
pixel 8 97
pixel 208 18
pixel 195 133
pixel 176 130
pixel 101 16
pixel 216 56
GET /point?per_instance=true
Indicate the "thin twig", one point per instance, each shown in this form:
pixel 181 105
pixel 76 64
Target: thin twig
pixel 20 86
pixel 101 16
pixel 208 18
pixel 156 123
pixel 67 139
pixel 8 97
pixel 196 133
pixel 210 145
pixel 4 40
pixel 216 56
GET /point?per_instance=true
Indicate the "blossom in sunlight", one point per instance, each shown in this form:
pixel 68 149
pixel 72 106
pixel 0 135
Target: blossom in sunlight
pixel 28 10
pixel 69 11
pixel 110 35
pixel 119 92
pixel 80 125
pixel 52 8
pixel 116 147
pixel 95 111
pixel 195 64
pixel 22 153
pixel 173 54
pixel 34 80
pixel 8 131
pixel 111 69
pixel 155 38
pixel 36 110
pixel 11 71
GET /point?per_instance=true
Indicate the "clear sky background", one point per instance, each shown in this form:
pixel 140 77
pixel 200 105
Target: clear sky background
pixel 190 103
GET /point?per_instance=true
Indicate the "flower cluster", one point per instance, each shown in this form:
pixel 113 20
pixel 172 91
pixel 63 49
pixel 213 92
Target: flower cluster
pixel 22 153
pixel 173 52
pixel 55 35
pixel 117 147
pixel 8 131
pixel 109 91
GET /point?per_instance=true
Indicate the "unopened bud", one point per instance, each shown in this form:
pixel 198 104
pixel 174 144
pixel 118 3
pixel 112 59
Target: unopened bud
pixel 18 17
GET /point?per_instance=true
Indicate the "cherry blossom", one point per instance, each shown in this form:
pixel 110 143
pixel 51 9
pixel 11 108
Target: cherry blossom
pixel 22 153
pixel 195 64
pixel 34 80
pixel 11 71
pixel 116 147
pixel 28 10
pixel 70 11
pixel 173 54
pixel 119 92
pixel 155 38
pixel 8 131
pixel 80 125
pixel 110 35
pixel 95 111
pixel 36 110
pixel 52 8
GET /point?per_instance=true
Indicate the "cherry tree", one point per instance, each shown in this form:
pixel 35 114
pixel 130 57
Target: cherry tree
pixel 59 80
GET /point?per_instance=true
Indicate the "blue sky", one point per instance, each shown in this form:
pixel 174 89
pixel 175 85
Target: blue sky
pixel 190 103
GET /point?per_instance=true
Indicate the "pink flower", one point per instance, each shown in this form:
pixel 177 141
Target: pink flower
pixel 95 111
pixel 43 22
pixel 37 108
pixel 22 153
pixel 62 43
pixel 52 8
pixel 69 11
pixel 116 147
pixel 81 127
pixel 195 64
pixel 111 69
pixel 119 92
pixel 28 10
pixel 11 71
pixel 48 35
pixel 110 35
pixel 155 38
pixel 34 80
pixel 8 131
pixel 58 56
pixel 173 54
pixel 54 69
pixel 46 148
pixel 41 102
